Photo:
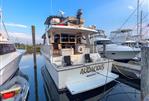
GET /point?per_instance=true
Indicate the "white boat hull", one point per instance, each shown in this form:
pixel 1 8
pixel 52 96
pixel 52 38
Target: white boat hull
pixel 10 69
pixel 67 77
pixel 52 92
pixel 121 55
pixel 119 52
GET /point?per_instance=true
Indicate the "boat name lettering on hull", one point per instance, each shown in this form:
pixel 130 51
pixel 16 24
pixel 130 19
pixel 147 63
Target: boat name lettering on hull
pixel 92 68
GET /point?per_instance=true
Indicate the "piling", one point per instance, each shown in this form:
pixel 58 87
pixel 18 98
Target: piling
pixel 104 49
pixel 35 66
pixel 36 84
pixel 145 74
pixel 34 44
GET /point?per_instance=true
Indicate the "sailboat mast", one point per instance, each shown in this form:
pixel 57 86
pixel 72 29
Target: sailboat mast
pixel 1 17
pixel 138 2
pixel 141 15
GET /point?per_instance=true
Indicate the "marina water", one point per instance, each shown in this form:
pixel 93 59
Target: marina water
pixel 39 92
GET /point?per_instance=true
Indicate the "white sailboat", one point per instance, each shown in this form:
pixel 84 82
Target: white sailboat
pixel 70 59
pixel 9 55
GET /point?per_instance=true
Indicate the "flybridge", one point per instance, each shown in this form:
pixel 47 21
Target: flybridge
pixel 57 19
pixel 68 21
pixel 65 21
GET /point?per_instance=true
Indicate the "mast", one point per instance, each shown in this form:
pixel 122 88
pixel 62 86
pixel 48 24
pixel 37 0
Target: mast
pixel 1 18
pixel 2 25
pixel 141 24
pixel 138 2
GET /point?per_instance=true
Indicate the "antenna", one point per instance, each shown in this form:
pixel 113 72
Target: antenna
pixel 1 18
pixel 5 29
pixel 1 21
pixel 79 13
pixel 51 7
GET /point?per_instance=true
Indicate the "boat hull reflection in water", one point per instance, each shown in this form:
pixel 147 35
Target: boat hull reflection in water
pixel 54 94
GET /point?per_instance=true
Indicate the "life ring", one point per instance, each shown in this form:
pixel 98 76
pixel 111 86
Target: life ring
pixel 80 49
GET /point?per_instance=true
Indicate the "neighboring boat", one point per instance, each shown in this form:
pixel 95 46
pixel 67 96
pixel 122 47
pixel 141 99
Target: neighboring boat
pixel 15 89
pixel 113 51
pixel 121 35
pixel 9 56
pixel 135 44
pixel 70 59
pixel 125 37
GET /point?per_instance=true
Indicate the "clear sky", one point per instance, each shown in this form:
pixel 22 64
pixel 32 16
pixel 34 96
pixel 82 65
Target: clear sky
pixel 109 15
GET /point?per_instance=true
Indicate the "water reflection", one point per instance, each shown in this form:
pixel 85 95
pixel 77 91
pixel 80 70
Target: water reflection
pixel 35 77
pixel 36 83
pixel 36 91
pixel 20 73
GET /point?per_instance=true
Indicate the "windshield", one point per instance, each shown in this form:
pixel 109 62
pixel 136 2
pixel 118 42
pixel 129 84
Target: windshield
pixel 6 48
pixel 101 42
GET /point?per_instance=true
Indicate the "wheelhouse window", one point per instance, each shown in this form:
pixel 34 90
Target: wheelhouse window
pixel 72 38
pixel 101 42
pixel 6 48
pixel 64 37
pixel 57 38
pixel 78 39
pixel 67 38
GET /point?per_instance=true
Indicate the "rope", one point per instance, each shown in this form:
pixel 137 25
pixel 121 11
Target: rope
pixel 128 19
pixel 130 15
pixel 106 97
pixel 122 72
pixel 5 29
pixel 106 76
pixel 144 19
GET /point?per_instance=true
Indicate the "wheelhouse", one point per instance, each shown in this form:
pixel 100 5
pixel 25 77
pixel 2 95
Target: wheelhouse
pixel 70 42
pixel 68 38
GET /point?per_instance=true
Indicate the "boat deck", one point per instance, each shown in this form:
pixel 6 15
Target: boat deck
pixel 63 68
